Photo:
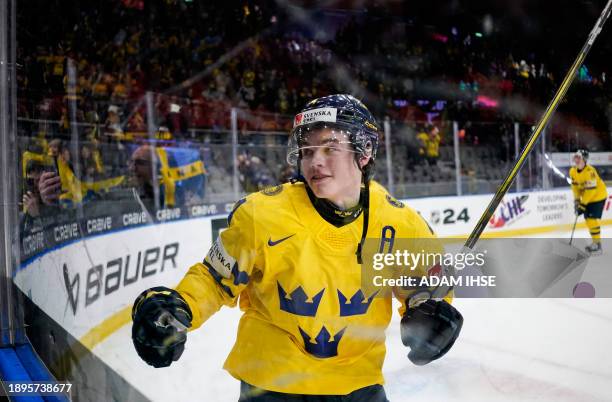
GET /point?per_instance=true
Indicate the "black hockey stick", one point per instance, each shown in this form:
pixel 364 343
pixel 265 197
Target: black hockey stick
pixel 573 230
pixel 544 119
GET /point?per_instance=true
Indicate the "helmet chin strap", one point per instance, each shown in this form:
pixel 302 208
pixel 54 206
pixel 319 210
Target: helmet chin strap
pixel 365 172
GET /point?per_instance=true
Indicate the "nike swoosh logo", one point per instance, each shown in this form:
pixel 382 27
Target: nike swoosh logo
pixel 274 243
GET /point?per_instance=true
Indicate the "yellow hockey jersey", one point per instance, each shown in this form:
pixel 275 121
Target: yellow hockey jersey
pixel 433 146
pixel 587 185
pixel 307 327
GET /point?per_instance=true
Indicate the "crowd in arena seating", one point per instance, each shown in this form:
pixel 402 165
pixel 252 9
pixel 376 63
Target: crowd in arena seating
pixel 85 71
pixel 243 58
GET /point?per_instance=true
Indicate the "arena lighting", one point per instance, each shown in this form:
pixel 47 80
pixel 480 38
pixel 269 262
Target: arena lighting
pixel 439 37
pixel 486 101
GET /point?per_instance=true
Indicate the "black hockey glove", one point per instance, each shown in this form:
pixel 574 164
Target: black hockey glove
pixel 430 330
pixel 579 208
pixel 160 320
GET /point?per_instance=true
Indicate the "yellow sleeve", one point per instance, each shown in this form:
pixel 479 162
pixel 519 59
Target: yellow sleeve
pixel 226 270
pixel 575 187
pixel 424 239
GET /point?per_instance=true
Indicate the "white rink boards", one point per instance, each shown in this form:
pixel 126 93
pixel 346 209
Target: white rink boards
pixel 509 350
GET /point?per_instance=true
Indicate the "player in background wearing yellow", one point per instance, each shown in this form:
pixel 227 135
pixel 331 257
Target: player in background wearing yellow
pixel 590 195
pixel 422 138
pixel 433 145
pixel 290 258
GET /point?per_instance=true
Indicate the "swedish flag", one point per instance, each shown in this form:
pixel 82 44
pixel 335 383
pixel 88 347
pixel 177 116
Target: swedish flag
pixel 182 175
pixel 75 191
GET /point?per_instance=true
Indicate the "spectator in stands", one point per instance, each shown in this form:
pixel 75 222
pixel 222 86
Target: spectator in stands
pixel 261 175
pixel 65 156
pixel 274 73
pixel 112 125
pixel 33 206
pixel 422 137
pixel 49 182
pixel 433 145
pixel 49 187
pixel 142 167
pixel 245 170
pixel 254 175
pixel 54 148
pixel 115 139
pixel 31 195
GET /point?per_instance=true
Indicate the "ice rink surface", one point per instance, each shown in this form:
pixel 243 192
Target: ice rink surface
pixel 509 350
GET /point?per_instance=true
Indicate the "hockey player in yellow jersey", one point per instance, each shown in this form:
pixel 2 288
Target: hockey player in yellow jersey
pixel 290 258
pixel 590 195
